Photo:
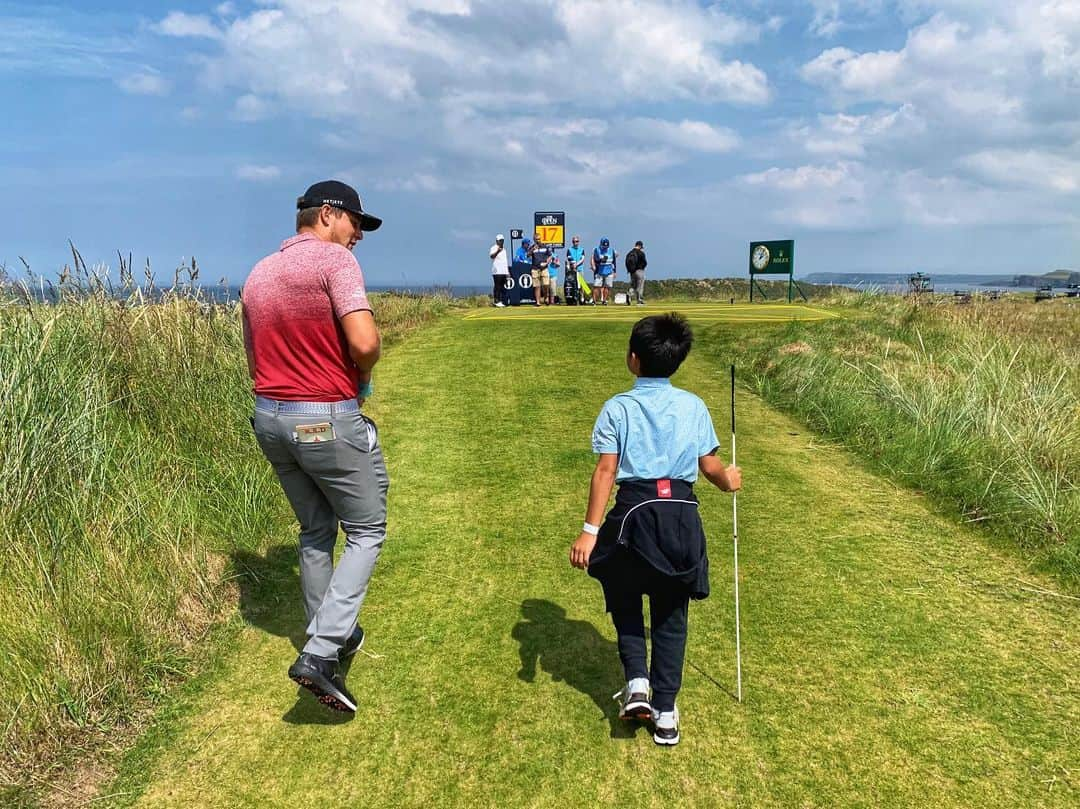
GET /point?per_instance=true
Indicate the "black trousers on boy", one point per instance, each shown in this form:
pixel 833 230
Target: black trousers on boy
pixel 667 623
pixel 652 544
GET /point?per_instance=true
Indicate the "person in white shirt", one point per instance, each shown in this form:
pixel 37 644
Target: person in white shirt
pixel 500 272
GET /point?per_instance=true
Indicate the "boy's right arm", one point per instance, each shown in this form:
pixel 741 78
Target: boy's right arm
pixel 725 478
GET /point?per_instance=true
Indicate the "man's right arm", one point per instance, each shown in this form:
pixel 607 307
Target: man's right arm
pixel 362 338
pixel 249 349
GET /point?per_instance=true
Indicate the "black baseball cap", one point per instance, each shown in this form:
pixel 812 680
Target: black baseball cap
pixel 337 194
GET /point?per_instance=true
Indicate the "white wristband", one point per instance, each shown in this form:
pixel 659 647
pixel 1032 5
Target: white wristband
pixel 589 528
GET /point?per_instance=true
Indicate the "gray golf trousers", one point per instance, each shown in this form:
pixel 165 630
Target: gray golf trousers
pixel 637 283
pixel 341 479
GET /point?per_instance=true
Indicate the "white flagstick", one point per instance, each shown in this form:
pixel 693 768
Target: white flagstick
pixel 735 532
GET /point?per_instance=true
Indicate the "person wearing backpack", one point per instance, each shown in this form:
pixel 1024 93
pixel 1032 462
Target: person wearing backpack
pixel 635 266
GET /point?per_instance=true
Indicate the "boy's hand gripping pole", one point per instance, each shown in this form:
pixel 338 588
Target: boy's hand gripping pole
pixel 735 533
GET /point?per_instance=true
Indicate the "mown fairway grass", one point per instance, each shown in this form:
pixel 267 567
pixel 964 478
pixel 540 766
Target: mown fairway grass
pixel 891 657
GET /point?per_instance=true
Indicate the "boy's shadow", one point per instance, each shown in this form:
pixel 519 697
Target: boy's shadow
pixel 573 652
pixel 270 600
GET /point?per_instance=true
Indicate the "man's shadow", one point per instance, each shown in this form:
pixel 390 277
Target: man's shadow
pixel 270 600
pixel 573 652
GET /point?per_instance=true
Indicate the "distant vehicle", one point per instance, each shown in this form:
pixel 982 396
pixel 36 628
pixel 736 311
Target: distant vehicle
pixel 1044 293
pixel 1072 291
pixel 919 283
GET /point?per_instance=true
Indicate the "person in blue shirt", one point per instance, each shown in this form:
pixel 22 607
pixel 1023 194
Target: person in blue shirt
pixel 652 440
pixel 575 256
pixel 553 278
pixel 521 255
pixel 603 267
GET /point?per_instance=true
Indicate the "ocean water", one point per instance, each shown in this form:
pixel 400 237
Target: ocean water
pixel 943 287
pixel 48 293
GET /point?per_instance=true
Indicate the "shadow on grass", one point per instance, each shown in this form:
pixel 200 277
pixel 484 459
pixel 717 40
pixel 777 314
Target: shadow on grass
pixel 270 592
pixel 573 652
pixel 270 600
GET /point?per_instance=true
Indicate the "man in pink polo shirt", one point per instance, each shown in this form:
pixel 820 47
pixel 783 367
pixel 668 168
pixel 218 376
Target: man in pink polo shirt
pixel 311 343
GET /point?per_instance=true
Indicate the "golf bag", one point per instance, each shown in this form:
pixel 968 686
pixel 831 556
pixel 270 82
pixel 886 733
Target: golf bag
pixel 571 289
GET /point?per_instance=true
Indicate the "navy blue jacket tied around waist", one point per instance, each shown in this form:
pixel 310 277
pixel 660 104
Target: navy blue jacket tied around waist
pixel 658 521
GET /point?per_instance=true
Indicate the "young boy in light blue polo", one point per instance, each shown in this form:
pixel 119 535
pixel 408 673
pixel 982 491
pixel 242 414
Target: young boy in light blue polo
pixel 652 440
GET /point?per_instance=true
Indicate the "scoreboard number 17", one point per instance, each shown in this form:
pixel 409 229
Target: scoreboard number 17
pixel 550 234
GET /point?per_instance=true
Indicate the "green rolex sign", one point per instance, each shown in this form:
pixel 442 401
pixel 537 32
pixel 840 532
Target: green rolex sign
pixel 773 258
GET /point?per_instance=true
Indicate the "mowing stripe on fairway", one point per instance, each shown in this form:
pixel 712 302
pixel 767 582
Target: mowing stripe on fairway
pixel 707 312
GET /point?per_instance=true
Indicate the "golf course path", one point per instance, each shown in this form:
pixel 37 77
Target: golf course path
pixel 891 657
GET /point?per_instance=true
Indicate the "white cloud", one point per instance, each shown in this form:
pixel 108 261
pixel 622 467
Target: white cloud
pixel 660 49
pixel 588 127
pixel 257 174
pixel 226 9
pixel 1027 169
pixel 968 114
pixel 988 61
pixel 418 182
pixel 144 83
pixel 832 17
pixel 35 42
pixel 593 53
pixel 696 136
pixel 852 196
pixel 812 196
pixel 472 84
pixel 179 24
pixel 250 108
pixel 846 135
pixel 812 178
pixel 336 140
pixel 977 113
pixel 869 74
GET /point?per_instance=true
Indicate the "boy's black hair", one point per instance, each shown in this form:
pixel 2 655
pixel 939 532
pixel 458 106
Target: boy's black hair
pixel 661 343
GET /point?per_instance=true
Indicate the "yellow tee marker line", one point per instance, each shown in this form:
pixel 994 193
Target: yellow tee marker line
pixel 698 318
pixel 744 313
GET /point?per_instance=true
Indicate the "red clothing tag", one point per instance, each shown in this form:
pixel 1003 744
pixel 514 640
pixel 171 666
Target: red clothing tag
pixel 663 488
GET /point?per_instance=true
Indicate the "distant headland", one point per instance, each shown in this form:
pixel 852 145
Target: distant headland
pixel 1057 278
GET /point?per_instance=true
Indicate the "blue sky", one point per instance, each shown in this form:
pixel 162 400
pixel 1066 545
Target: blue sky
pixel 887 136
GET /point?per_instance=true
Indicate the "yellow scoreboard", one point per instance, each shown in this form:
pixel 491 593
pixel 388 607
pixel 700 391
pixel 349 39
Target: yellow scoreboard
pixel 550 228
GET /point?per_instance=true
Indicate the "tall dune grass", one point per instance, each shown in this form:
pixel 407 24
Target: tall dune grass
pixel 130 474
pixel 978 405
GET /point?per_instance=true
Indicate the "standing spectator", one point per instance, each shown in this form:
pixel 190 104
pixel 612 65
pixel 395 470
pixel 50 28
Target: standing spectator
pixel 521 255
pixel 553 277
pixel 635 266
pixel 603 267
pixel 540 257
pixel 311 342
pixel 500 272
pixel 575 256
